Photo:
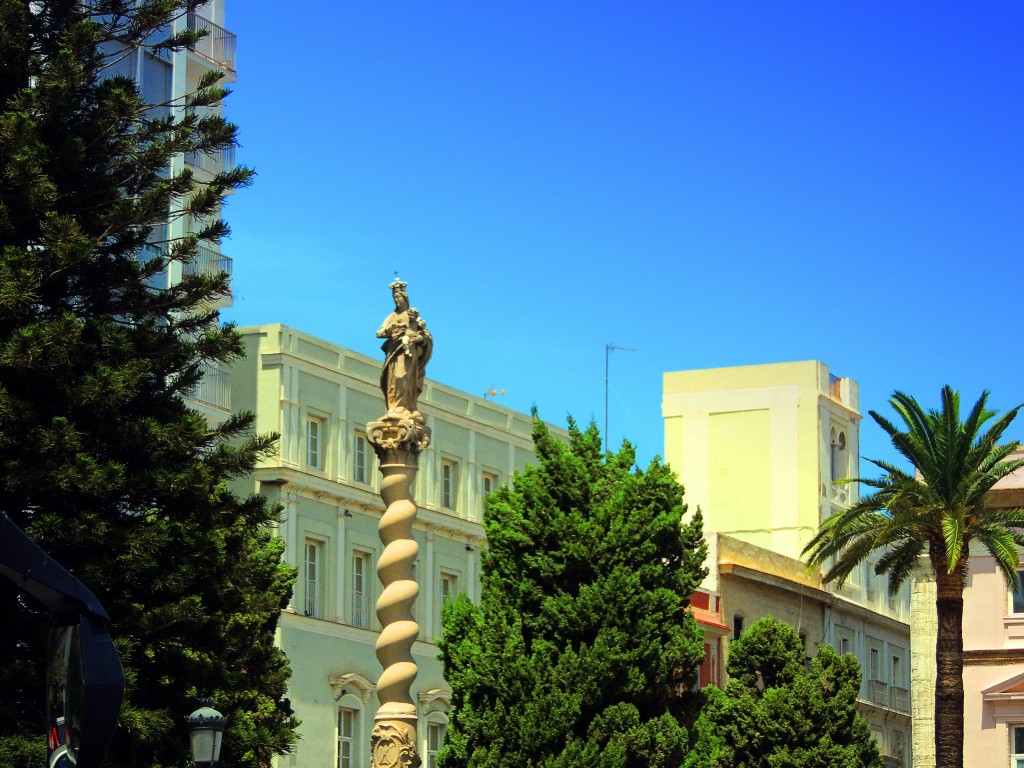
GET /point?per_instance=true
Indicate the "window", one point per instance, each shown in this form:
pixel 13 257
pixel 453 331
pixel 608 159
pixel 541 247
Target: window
pixel 873 664
pixel 869 579
pixel 346 738
pixel 360 589
pixel 844 640
pixel 1017 602
pixel 314 428
pixel 1017 744
pixel 435 738
pixel 490 482
pixel 838 455
pixel 737 626
pixel 314 578
pixel 449 483
pixel 359 473
pixel 449 586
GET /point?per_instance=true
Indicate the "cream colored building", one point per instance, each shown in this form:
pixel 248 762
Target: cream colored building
pixel 761 449
pixel 319 397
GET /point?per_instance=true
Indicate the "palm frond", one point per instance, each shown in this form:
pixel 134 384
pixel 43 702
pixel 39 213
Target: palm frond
pixel 899 562
pixel 937 508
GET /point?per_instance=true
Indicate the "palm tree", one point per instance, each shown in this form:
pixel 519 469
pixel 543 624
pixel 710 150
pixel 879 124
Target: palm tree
pixel 938 510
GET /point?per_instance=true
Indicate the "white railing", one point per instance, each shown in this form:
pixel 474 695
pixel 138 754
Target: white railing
pixel 207 261
pixel 314 598
pixel 878 693
pixel 216 161
pixel 217 45
pixel 214 389
pixel 841 494
pixel 360 609
pixel 900 699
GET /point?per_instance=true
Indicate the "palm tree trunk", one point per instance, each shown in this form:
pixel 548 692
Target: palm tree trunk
pixel 949 671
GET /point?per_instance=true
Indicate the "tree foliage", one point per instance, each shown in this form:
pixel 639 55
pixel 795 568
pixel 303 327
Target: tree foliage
pixel 101 460
pixel 936 509
pixel 774 713
pixel 581 651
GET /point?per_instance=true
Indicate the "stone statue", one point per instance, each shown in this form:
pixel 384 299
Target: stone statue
pixel 407 348
pixel 398 437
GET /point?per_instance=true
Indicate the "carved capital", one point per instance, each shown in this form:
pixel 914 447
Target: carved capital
pixel 394 435
pixel 393 745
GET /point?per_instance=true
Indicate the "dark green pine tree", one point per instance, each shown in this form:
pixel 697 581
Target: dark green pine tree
pixel 774 713
pixel 581 651
pixel 101 461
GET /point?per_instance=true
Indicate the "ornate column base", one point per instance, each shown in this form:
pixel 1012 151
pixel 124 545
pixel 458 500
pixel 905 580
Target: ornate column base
pixel 393 744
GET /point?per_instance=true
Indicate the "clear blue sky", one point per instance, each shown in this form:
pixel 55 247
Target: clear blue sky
pixel 713 184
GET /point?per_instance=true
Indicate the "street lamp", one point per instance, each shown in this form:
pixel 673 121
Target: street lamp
pixel 206 729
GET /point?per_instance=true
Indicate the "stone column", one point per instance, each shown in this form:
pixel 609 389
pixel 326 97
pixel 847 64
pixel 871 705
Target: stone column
pixel 397 438
pixel 397 443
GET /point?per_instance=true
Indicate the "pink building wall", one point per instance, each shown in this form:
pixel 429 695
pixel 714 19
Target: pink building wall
pixel 993 667
pixel 993 653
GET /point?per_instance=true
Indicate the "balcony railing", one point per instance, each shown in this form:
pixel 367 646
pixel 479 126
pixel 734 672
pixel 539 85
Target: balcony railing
pixel 214 389
pixel 878 693
pixel 840 494
pixel 360 609
pixel 217 161
pixel 208 262
pixel 216 46
pixel 900 699
pixel 314 598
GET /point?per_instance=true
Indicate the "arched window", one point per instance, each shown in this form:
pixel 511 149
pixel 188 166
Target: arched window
pixel 352 693
pixel 838 455
pixel 434 706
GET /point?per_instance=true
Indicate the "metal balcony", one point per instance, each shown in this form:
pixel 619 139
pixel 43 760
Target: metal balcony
pixel 360 610
pixel 217 46
pixel 214 162
pixel 208 262
pixel 314 599
pixel 878 693
pixel 900 699
pixel 214 389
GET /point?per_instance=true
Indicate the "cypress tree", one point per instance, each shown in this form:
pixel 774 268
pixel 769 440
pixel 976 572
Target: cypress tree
pixel 775 712
pixel 581 651
pixel 101 460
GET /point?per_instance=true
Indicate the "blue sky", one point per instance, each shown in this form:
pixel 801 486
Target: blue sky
pixel 711 184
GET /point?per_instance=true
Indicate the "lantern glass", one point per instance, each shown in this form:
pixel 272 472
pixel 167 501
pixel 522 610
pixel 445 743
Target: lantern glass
pixel 206 730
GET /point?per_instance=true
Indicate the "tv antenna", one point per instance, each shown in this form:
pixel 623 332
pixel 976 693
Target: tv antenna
pixel 607 351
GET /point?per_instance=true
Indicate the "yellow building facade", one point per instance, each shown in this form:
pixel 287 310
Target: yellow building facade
pixel 762 450
pixel 320 397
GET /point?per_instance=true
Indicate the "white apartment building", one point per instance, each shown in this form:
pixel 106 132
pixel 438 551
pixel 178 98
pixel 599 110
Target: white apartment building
pixel 166 78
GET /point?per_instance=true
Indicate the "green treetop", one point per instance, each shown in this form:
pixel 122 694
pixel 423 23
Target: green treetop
pixel 581 651
pixel 101 461
pixel 774 713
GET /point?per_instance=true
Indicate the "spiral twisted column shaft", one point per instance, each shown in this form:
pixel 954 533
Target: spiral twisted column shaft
pixel 397 443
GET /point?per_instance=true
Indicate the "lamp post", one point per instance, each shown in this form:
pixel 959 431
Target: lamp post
pixel 206 730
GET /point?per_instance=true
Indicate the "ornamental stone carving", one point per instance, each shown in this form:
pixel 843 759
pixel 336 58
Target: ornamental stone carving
pixel 394 746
